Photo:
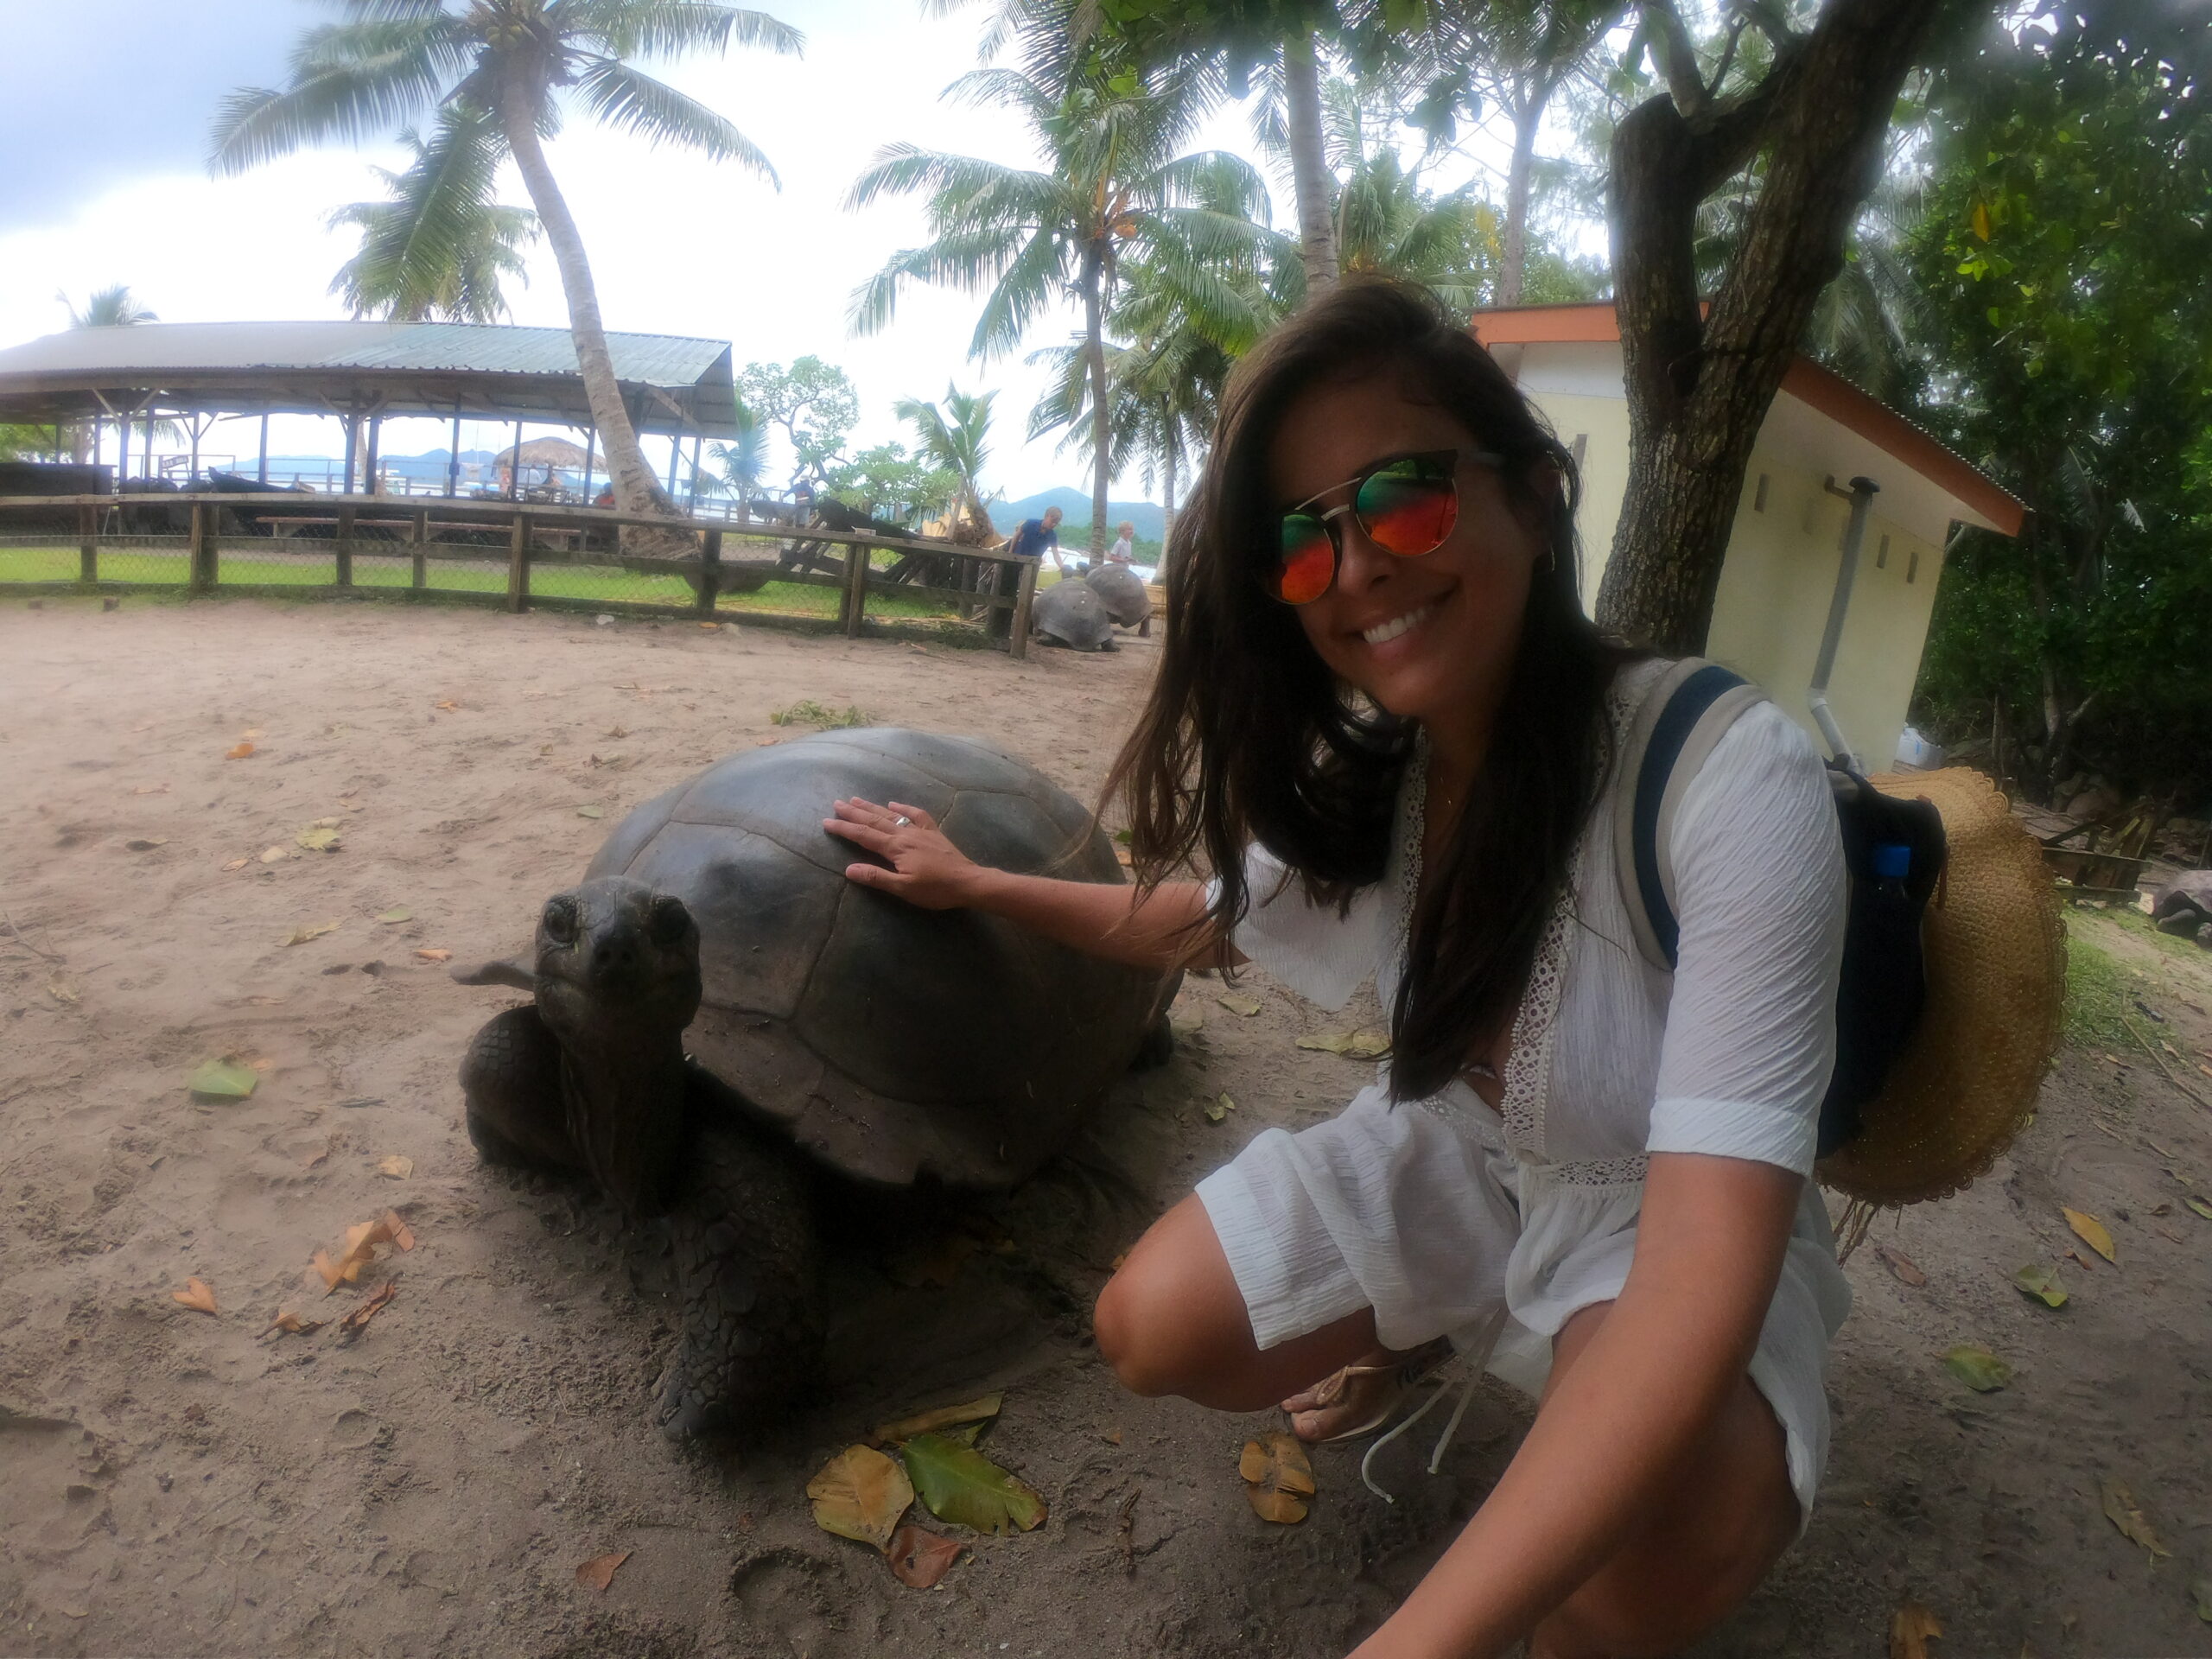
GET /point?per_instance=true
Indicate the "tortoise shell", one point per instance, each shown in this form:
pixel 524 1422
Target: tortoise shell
pixel 1122 591
pixel 892 1043
pixel 1072 613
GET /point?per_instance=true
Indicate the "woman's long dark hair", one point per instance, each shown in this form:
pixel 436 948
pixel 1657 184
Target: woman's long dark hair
pixel 1248 736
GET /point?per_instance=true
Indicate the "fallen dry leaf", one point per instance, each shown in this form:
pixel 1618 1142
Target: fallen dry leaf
pixel 2092 1232
pixel 1246 1006
pixel 396 913
pixel 235 864
pixel 923 1422
pixel 144 843
pixel 64 990
pixel 151 789
pixel 195 1295
pixel 1278 1477
pixel 432 954
pixel 598 1572
pixel 2198 1205
pixel 307 931
pixel 274 854
pixel 240 752
pixel 2122 1510
pixel 860 1494
pixel 223 1079
pixel 449 705
pixel 1976 1367
pixel 367 1309
pixel 2041 1283
pixel 318 838
pixel 289 1321
pixel 317 1158
pixel 361 1241
pixel 919 1558
pixel 398 1167
pixel 1364 1044
pixel 1910 1630
pixel 1906 1271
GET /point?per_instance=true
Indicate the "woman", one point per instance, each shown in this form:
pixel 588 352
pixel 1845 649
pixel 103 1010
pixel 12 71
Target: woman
pixel 1381 717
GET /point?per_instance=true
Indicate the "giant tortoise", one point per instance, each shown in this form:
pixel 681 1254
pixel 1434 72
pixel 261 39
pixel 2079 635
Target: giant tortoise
pixel 1123 594
pixel 716 1006
pixel 1070 613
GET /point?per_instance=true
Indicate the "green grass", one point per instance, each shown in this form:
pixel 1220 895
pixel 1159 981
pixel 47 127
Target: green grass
pixel 807 712
pixel 2098 994
pixel 318 568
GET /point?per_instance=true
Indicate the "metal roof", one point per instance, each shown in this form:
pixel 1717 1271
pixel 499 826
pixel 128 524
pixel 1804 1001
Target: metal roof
pixel 672 384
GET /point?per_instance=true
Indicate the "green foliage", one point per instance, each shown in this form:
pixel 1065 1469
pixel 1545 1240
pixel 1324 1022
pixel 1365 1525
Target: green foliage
pixel 812 402
pixel 2063 255
pixel 112 306
pixel 741 462
pixel 2097 992
pixel 437 248
pixel 886 481
pixel 22 442
pixel 807 712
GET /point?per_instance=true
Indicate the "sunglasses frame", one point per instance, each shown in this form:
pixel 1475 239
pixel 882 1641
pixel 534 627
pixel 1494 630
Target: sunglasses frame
pixel 1450 459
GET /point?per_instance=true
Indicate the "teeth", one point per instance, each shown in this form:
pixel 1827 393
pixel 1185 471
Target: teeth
pixel 1383 632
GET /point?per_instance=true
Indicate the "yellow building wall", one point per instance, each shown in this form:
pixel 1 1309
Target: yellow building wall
pixel 1778 579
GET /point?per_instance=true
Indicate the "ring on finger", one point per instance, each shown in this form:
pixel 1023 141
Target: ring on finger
pixel 900 822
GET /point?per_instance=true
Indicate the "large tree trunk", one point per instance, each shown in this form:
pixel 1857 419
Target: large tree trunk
pixel 1698 389
pixel 1102 438
pixel 636 489
pixel 1513 259
pixel 1309 163
pixel 1167 511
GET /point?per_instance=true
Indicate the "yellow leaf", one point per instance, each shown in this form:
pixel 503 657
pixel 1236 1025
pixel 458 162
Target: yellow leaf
pixel 195 1295
pixel 240 752
pixel 2120 1509
pixel 2093 1233
pixel 1364 1044
pixel 290 1322
pixel 1278 1477
pixel 860 1494
pixel 307 931
pixel 1981 220
pixel 317 838
pixel 1910 1630
pixel 925 1422
pixel 235 864
pixel 363 1312
pixel 1245 1006
pixel 431 953
pixel 397 1167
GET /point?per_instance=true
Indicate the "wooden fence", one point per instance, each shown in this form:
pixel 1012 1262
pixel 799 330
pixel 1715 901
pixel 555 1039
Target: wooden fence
pixel 997 586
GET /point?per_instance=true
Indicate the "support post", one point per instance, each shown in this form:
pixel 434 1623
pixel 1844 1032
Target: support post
pixel 856 562
pixel 1025 593
pixel 371 484
pixel 345 546
pixel 514 468
pixel 453 458
pixel 675 449
pixel 518 565
pixel 421 536
pixel 710 570
pixel 88 546
pixel 122 449
pixel 200 562
pixel 261 474
pixel 192 477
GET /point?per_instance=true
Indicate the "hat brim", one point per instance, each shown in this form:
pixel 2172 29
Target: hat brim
pixel 1996 955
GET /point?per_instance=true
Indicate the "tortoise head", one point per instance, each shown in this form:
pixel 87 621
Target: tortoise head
pixel 617 982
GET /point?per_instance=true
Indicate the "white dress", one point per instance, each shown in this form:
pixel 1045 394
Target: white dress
pixel 1435 1213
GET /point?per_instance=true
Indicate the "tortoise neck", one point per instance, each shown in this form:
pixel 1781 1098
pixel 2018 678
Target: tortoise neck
pixel 623 1097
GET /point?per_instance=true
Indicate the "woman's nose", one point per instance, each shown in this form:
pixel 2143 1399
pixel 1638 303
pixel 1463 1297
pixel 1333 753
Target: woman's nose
pixel 1360 564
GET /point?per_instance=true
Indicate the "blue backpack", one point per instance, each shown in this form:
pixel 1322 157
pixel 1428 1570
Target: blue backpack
pixel 1893 852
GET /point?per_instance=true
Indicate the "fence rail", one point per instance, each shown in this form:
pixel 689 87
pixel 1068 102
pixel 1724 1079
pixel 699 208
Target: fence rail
pixel 517 553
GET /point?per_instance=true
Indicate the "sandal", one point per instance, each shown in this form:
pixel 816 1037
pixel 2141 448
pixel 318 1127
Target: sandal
pixel 1407 1372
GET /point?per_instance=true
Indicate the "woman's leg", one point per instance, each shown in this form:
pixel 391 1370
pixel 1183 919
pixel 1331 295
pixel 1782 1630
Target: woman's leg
pixel 1173 1321
pixel 1727 1516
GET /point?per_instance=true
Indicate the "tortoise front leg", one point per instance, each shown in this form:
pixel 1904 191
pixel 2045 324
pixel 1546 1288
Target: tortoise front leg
pixel 746 1268
pixel 511 1078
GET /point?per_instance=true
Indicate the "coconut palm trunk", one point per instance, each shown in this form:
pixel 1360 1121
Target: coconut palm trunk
pixel 1167 511
pixel 1102 437
pixel 1309 166
pixel 636 490
pixel 1513 262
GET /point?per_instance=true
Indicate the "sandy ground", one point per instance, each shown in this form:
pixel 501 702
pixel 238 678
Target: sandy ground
pixel 175 1484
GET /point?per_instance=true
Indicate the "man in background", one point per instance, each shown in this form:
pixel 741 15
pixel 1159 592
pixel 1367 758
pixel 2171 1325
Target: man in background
pixel 1032 537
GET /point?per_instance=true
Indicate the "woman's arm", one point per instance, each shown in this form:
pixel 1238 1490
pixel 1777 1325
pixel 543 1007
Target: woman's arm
pixel 1612 1433
pixel 1163 930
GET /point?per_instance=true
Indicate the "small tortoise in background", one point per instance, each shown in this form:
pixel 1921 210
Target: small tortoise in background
pixel 1123 594
pixel 716 1006
pixel 1070 612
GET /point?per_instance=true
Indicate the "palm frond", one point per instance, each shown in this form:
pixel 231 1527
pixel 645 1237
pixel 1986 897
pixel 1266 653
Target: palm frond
pixel 353 81
pixel 671 28
pixel 629 99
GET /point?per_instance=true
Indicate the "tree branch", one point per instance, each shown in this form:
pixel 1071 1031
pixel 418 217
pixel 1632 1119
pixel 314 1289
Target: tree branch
pixel 1670 44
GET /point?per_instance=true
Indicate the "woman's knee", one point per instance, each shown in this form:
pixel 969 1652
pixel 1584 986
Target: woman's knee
pixel 1172 1318
pixel 1134 1334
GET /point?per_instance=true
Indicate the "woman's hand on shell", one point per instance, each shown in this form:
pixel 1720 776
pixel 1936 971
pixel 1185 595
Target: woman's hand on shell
pixel 924 867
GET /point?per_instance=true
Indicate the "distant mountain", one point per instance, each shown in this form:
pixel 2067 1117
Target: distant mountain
pixel 1075 508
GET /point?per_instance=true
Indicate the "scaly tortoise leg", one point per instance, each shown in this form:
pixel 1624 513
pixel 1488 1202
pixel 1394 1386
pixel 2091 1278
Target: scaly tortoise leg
pixel 511 1079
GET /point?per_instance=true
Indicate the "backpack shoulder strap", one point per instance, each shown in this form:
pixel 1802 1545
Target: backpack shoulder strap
pixel 1687 711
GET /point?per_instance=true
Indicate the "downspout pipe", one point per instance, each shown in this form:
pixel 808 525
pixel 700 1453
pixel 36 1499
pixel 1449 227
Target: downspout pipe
pixel 1861 497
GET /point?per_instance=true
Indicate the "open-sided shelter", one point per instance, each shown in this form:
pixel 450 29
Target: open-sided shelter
pixel 1778 581
pixel 360 373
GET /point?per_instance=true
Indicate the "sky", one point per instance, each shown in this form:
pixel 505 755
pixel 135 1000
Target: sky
pixel 679 244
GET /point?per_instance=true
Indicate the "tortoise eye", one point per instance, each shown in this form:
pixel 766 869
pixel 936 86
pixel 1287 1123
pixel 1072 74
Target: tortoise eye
pixel 669 921
pixel 559 921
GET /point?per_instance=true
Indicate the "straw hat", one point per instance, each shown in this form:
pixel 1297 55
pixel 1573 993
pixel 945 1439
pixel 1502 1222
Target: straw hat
pixel 1996 957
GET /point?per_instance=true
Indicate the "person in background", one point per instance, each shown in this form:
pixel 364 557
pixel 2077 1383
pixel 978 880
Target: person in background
pixel 1124 549
pixel 1031 536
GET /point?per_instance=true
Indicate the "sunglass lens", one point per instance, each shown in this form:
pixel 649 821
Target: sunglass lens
pixel 1308 560
pixel 1409 507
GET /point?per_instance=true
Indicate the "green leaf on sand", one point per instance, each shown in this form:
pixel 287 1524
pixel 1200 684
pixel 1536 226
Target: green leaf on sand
pixel 1245 1007
pixel 2199 1206
pixel 2200 1591
pixel 958 1483
pixel 318 838
pixel 2041 1283
pixel 1362 1045
pixel 1976 1367
pixel 396 913
pixel 1217 1108
pixel 591 811
pixel 223 1080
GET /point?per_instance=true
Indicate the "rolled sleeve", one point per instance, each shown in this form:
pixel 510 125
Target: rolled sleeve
pixel 1322 955
pixel 1760 894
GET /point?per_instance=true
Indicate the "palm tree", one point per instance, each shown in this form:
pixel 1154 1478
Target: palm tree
pixel 1389 224
pixel 436 249
pixel 1115 187
pixel 513 63
pixel 745 458
pixel 956 439
pixel 112 306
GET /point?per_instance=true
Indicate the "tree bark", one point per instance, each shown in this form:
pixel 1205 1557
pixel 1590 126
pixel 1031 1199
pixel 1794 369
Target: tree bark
pixel 1513 260
pixel 1102 443
pixel 1309 163
pixel 1698 389
pixel 636 489
pixel 1166 509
